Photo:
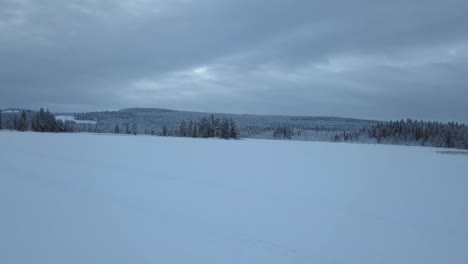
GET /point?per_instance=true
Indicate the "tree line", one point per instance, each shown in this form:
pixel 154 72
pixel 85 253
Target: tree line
pixel 19 124
pixel 42 121
pixel 403 132
pixel 283 132
pixel 205 128
pixel 435 134
pixel 410 132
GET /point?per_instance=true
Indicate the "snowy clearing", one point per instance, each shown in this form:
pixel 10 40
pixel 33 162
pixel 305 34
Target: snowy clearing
pixel 10 112
pixel 65 118
pixel 83 198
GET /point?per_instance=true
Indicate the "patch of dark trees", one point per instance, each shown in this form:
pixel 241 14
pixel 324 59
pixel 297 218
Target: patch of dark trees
pixel 435 134
pixel 411 132
pixel 205 128
pixel 42 121
pixel 283 132
pixel 128 129
pixel 17 123
pixel 351 136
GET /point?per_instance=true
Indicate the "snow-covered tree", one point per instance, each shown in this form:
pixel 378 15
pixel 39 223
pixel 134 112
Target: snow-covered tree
pixel 183 129
pixel 234 132
pixel 22 123
pixel 44 121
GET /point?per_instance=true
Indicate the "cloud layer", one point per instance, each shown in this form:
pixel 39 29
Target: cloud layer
pixel 364 58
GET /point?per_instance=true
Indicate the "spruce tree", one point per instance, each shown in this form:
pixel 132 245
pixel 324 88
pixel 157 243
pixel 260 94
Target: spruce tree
pixel 204 128
pixel 195 130
pixel 44 121
pixel 234 133
pixel 189 132
pixel 183 129
pixel 15 123
pixel 225 130
pixel 23 123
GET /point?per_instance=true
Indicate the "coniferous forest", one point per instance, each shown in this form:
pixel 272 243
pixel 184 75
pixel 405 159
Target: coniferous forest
pixel 198 125
pixel 435 134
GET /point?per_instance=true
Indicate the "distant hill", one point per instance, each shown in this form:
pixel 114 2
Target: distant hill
pixel 150 120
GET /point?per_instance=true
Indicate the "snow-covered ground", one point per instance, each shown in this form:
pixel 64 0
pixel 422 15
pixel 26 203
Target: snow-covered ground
pixel 70 118
pixel 83 198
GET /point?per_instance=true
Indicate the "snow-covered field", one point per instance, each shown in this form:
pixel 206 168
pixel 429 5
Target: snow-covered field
pixel 82 198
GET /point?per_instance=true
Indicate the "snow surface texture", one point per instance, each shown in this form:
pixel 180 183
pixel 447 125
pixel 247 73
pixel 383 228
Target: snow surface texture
pixel 65 118
pixel 83 198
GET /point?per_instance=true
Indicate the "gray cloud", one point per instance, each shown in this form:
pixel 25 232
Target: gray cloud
pixel 371 59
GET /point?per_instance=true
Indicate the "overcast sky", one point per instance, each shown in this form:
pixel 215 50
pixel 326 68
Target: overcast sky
pixel 360 58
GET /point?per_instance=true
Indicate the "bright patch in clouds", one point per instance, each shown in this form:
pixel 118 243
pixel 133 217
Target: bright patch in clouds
pixel 204 73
